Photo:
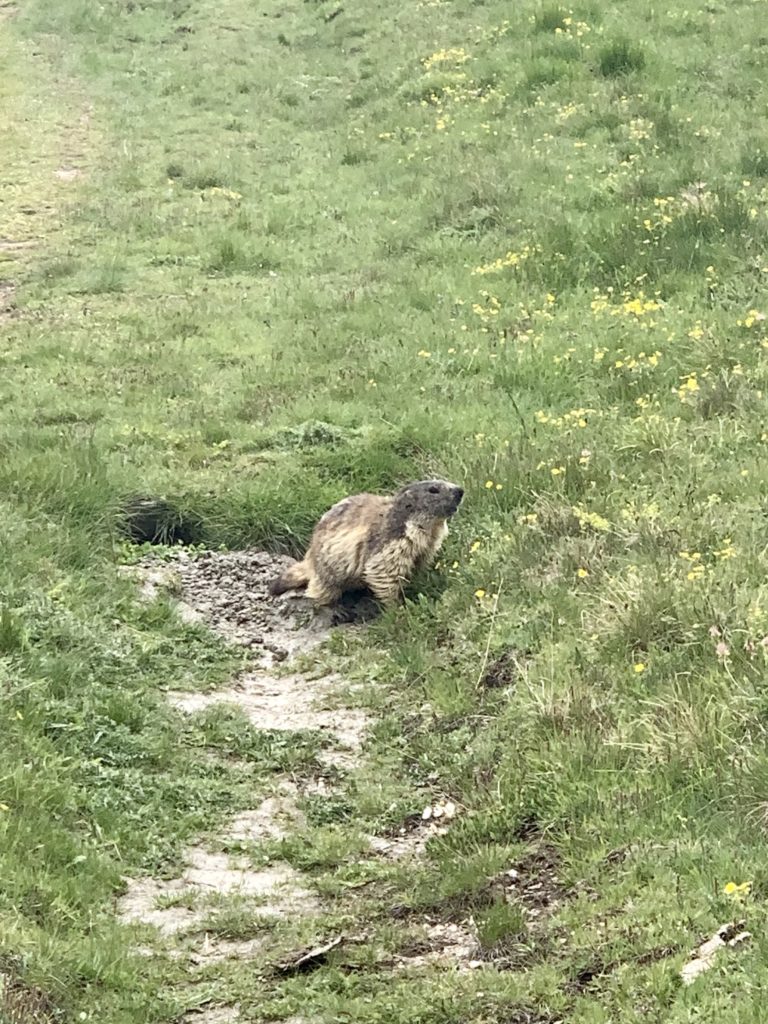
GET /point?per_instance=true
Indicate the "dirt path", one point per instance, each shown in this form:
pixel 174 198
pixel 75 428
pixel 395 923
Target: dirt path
pixel 47 143
pixel 228 593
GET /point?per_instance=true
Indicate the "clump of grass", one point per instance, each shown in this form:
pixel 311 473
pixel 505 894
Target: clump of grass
pixel 59 270
pixel 353 157
pixel 234 254
pixel 12 632
pixel 620 57
pixel 754 159
pixel 499 927
pixel 550 18
pixel 202 178
pixel 103 278
pixel 546 71
pixel 310 435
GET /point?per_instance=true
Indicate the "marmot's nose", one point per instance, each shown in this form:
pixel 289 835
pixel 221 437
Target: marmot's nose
pixel 459 491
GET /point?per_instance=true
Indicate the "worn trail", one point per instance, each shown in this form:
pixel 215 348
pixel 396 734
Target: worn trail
pixel 228 593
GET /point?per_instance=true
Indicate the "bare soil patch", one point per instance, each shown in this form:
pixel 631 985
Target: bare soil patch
pixel 228 592
pixel 174 905
pixel 291 703
pixel 440 944
pixel 274 818
pixel 68 173
pixel 211 1015
pixel 407 844
pixel 13 245
pixel 504 671
pixel 7 303
pixel 143 903
pixel 216 950
pixel 533 883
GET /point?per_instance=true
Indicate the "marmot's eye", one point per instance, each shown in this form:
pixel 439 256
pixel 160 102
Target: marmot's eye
pixel 434 490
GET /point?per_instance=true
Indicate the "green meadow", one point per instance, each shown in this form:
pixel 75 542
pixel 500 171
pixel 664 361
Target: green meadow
pixel 256 256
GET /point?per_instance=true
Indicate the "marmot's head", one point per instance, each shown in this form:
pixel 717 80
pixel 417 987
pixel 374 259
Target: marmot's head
pixel 429 499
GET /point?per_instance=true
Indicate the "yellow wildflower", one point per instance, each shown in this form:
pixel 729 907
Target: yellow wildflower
pixel 511 259
pixel 753 316
pixel 727 550
pixel 732 889
pixel 696 332
pixel 454 55
pixel 593 519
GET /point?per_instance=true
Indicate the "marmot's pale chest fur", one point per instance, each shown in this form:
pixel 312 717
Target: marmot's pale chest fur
pixel 375 542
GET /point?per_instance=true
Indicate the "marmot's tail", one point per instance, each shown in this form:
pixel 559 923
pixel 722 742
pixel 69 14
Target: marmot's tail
pixel 296 577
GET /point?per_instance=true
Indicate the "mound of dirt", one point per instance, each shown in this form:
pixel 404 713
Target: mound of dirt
pixel 228 591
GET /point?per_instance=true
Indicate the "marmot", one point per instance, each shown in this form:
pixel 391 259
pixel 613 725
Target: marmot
pixel 371 541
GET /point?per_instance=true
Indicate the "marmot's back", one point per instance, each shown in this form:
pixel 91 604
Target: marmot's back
pixel 361 513
pixel 341 542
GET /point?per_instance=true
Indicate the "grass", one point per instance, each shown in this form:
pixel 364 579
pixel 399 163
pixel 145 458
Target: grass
pixel 311 255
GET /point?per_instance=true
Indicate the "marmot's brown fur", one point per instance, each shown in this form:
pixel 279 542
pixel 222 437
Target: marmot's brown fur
pixel 374 542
